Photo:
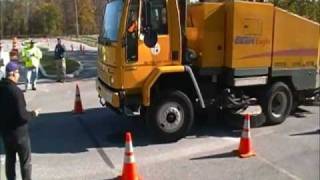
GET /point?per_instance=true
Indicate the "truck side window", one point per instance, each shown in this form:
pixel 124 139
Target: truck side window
pixel 158 17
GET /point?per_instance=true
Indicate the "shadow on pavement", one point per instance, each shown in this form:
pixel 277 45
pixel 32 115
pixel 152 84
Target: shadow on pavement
pixel 307 133
pixel 300 112
pixel 217 156
pixel 64 132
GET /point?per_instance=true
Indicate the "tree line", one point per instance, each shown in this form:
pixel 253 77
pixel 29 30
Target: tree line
pixel 49 17
pixel 59 17
pixel 307 8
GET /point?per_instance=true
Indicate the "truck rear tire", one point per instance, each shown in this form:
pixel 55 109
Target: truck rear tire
pixel 277 103
pixel 171 116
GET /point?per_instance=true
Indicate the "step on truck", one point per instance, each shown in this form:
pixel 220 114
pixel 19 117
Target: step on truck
pixel 169 60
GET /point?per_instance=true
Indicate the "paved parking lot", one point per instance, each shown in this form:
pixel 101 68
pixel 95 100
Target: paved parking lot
pixel 90 145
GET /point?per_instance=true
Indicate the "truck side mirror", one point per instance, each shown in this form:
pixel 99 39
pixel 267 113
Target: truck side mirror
pixel 150 38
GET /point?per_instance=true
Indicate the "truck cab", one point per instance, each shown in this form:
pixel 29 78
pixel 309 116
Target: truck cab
pixel 135 39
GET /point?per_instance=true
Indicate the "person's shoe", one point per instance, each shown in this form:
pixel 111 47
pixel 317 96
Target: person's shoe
pixel 34 88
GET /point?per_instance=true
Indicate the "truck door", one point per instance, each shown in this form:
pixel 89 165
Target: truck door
pixel 137 52
pixel 140 59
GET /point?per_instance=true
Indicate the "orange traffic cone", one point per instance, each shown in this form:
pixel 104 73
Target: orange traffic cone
pixel 245 148
pixel 129 171
pixel 77 103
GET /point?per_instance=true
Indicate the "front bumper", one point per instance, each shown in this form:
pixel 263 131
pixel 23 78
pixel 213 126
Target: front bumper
pixel 110 97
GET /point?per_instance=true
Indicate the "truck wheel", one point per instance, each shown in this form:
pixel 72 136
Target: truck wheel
pixel 277 103
pixel 171 116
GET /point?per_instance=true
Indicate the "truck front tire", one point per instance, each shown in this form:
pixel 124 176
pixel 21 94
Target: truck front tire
pixel 277 103
pixel 171 116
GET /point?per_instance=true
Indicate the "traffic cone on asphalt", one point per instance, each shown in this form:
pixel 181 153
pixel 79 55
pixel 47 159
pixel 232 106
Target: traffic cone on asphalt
pixel 245 148
pixel 77 103
pixel 129 171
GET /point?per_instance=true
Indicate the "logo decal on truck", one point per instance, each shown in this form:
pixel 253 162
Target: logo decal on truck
pixel 156 49
pixel 251 40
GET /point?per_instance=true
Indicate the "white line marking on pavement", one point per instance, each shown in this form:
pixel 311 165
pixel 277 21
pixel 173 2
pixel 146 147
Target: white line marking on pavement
pixel 279 168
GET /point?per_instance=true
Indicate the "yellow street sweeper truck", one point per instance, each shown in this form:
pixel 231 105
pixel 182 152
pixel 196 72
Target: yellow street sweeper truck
pixel 168 60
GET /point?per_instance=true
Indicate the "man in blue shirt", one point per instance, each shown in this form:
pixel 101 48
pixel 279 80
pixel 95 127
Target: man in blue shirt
pixel 59 54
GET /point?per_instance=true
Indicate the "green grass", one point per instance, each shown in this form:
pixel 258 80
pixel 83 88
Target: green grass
pixel 48 63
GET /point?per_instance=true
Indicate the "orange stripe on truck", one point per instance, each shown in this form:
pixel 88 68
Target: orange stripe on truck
pixel 289 52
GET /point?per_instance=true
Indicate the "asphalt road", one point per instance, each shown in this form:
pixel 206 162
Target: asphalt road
pixel 90 146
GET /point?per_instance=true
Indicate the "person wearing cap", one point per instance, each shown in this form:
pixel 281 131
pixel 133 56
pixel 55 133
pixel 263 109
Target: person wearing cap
pixel 31 56
pixel 59 55
pixel 14 124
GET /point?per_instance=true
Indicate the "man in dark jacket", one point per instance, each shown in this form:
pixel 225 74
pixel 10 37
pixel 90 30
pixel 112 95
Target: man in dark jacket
pixel 14 124
pixel 59 55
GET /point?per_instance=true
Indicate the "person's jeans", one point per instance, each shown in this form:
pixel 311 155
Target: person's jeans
pixel 31 77
pixel 21 147
pixel 61 69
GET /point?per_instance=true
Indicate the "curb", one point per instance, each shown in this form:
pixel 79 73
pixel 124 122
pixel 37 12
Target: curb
pixel 71 75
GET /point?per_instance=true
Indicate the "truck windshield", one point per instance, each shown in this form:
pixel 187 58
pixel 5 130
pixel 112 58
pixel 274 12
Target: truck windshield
pixel 111 20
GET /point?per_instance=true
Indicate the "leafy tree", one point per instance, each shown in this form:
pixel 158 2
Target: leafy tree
pixel 87 17
pixel 13 21
pixel 307 8
pixel 55 17
pixel 47 19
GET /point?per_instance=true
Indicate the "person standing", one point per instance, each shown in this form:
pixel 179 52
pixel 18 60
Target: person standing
pixel 31 56
pixel 59 54
pixel 14 124
pixel 4 59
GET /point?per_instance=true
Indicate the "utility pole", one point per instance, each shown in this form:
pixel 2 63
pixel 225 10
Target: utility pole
pixel 77 17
